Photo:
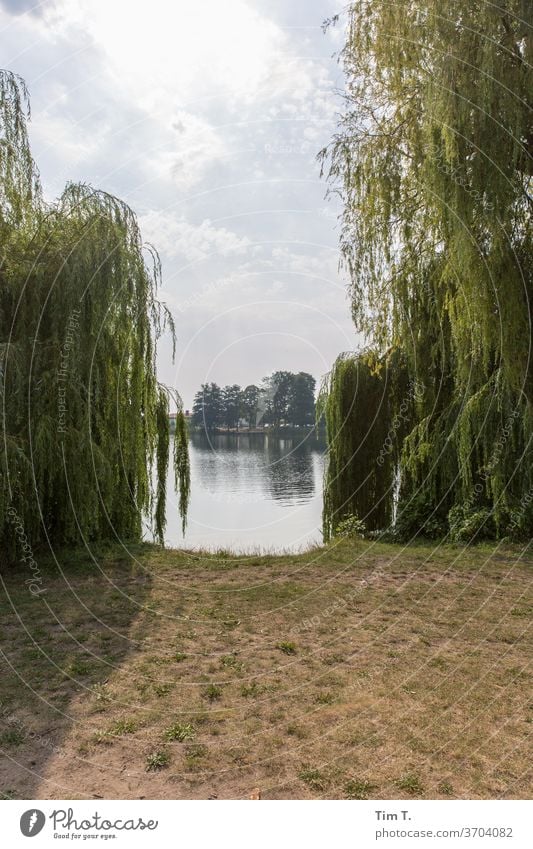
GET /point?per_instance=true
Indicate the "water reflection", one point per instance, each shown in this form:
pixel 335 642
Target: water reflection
pixel 252 491
pixel 255 466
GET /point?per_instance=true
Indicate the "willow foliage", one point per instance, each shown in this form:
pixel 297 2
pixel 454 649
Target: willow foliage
pixel 85 422
pixel 363 433
pixel 434 161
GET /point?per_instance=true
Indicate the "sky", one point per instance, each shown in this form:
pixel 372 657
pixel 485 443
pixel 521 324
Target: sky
pixel 206 117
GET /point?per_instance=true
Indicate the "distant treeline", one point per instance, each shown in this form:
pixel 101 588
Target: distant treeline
pixel 282 399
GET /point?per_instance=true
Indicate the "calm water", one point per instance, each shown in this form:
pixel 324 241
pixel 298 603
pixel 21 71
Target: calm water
pixel 251 492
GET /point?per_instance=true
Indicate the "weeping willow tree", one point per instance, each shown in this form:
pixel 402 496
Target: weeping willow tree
pixel 434 161
pixel 85 422
pixel 363 432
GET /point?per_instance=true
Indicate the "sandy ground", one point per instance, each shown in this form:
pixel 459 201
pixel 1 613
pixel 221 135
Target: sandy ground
pixel 355 671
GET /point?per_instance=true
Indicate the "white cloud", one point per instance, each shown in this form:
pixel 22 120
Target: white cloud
pixel 189 56
pixel 76 144
pixel 168 53
pixel 189 78
pixel 192 147
pixel 176 237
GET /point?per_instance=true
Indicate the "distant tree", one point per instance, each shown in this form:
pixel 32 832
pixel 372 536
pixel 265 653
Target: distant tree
pixel 282 398
pixel 301 405
pixel 197 415
pixel 207 408
pixel 250 404
pixel 265 405
pixel 279 386
pixel 231 405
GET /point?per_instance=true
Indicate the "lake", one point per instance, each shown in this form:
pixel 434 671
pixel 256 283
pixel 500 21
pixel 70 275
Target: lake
pixel 251 492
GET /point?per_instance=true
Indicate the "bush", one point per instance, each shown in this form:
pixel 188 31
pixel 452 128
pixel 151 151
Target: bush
pixel 417 515
pixel 467 524
pixel 350 528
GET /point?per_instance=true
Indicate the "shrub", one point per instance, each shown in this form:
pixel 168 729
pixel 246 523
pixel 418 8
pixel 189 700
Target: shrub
pixel 467 525
pixel 351 527
pixel 417 515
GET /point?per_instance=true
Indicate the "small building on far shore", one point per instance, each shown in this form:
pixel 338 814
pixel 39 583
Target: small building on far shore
pixel 173 416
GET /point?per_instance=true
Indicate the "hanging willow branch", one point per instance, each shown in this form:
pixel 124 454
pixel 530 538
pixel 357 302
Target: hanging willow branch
pixel 433 159
pixel 85 421
pixel 364 437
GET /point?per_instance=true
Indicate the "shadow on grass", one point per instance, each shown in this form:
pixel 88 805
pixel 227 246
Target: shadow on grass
pixel 57 646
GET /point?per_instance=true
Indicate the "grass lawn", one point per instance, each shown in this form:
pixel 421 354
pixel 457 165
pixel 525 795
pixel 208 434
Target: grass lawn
pixel 356 670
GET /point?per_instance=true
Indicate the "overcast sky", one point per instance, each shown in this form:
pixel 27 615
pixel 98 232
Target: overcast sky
pixel 206 117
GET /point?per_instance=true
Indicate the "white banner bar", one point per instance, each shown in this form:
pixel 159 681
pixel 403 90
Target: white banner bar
pixel 269 825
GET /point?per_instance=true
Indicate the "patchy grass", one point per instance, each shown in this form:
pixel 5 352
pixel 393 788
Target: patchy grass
pixel 11 737
pixel 195 752
pixel 445 788
pixel 162 689
pixel 324 698
pixel 287 647
pixel 251 691
pixel 354 789
pixel 410 784
pixel 314 778
pixel 230 661
pixel 166 674
pixel 157 760
pixel 212 693
pixel 180 731
pixel 123 726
